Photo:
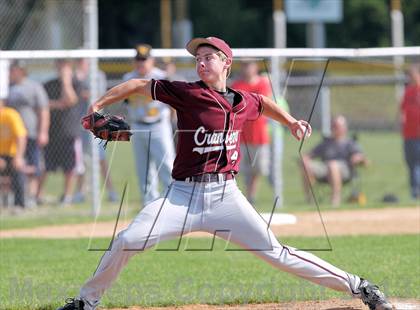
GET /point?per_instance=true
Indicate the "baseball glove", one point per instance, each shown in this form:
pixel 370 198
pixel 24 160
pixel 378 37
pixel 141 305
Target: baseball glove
pixel 107 127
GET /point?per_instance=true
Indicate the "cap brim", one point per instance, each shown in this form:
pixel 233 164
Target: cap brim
pixel 195 43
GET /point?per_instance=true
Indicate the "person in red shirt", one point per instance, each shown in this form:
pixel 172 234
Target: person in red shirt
pixel 204 195
pixel 255 141
pixel 410 126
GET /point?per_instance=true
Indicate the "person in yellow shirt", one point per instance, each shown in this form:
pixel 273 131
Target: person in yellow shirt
pixel 12 149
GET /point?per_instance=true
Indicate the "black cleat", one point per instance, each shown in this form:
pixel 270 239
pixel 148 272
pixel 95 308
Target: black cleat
pixel 373 297
pixel 73 304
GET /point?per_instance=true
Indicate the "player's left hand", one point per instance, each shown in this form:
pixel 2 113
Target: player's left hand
pixel 300 128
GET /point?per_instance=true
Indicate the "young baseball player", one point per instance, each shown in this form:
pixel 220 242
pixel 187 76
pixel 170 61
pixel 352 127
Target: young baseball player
pixel 204 195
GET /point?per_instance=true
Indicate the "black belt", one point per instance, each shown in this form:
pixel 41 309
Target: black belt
pixel 209 177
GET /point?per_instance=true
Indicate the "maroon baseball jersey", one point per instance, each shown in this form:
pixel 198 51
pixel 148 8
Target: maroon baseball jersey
pixel 208 126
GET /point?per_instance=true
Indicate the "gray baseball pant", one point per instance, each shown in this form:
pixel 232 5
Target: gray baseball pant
pixel 210 207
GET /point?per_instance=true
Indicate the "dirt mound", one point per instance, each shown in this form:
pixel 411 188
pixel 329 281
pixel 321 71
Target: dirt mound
pixel 331 304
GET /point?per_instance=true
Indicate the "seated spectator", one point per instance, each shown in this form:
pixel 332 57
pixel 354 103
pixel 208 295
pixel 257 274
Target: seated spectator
pixel 12 150
pixel 338 156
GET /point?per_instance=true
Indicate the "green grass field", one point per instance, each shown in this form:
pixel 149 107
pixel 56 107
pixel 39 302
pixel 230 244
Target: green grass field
pixel 386 174
pixel 40 274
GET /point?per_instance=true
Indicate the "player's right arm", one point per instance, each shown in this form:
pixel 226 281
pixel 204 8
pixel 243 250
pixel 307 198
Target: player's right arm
pixel 121 92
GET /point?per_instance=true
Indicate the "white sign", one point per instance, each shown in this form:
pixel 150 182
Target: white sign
pixel 303 11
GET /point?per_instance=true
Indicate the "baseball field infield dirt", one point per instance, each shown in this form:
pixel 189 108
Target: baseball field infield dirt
pixel 384 221
pixel 331 304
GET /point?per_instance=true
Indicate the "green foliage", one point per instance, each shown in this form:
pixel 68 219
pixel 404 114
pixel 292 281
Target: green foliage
pixel 248 23
pixel 366 23
pixel 411 13
pixel 127 23
pixel 40 274
pixel 253 21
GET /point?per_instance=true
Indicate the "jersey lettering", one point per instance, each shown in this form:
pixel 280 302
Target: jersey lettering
pixel 214 141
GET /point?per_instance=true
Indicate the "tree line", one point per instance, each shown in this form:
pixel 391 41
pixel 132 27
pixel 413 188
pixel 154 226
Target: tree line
pixel 248 23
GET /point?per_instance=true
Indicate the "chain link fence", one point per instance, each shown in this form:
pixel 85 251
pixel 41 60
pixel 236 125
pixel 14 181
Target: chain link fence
pixel 367 91
pixel 41 24
pixel 363 91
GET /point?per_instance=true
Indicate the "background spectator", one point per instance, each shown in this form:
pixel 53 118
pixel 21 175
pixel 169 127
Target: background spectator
pixel 12 150
pixel 153 144
pixel 83 147
pixel 338 156
pixel 255 141
pixel 29 98
pixel 169 66
pixel 64 93
pixel 410 125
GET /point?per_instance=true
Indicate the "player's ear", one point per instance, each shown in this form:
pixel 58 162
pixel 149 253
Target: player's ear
pixel 228 63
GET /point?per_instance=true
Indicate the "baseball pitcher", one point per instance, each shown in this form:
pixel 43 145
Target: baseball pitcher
pixel 204 195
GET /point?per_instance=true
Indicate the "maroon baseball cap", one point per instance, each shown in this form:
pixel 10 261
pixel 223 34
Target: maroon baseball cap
pixel 213 41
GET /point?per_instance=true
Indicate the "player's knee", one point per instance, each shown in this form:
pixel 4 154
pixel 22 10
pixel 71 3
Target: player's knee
pixel 128 240
pixel 133 240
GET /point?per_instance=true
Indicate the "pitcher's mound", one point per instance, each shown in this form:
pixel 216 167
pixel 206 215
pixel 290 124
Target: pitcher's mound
pixel 331 304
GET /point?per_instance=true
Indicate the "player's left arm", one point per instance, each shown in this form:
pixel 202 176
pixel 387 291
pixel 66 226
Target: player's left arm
pixel 275 112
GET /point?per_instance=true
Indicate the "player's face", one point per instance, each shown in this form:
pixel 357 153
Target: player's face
pixel 144 66
pixel 209 65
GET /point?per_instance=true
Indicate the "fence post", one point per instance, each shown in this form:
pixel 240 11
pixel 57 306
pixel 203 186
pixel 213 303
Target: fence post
pixel 91 42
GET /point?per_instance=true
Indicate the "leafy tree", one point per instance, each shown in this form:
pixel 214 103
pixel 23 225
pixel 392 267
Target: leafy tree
pixel 125 23
pixel 366 23
pixel 243 23
pixel 249 23
pixel 411 12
